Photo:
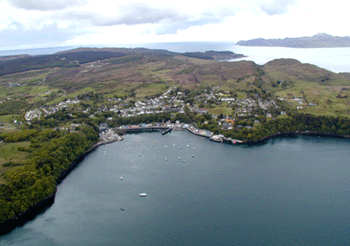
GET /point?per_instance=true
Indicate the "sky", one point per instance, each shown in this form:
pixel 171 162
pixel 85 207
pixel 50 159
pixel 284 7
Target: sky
pixel 28 24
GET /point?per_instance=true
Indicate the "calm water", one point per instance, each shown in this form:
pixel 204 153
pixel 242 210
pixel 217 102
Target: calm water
pixel 333 59
pixel 286 192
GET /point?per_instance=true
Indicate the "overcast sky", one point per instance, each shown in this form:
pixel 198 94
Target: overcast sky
pixel 50 23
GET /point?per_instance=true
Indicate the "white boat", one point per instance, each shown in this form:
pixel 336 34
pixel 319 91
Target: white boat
pixel 143 194
pixel 121 178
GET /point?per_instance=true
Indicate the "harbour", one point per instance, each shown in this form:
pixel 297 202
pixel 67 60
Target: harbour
pixel 286 192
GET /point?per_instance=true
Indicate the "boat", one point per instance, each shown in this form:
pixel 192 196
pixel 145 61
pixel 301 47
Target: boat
pixel 122 209
pixel 192 155
pixel 121 178
pixel 143 194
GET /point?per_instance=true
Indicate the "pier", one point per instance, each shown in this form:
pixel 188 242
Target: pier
pixel 134 129
pixel 167 131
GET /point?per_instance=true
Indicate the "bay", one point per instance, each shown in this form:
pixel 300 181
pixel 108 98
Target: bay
pixel 292 191
pixel 333 59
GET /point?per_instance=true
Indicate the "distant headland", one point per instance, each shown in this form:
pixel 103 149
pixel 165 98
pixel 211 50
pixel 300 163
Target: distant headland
pixel 320 40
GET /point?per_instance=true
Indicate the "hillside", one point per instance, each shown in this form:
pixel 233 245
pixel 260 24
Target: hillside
pixel 56 107
pixel 76 57
pixel 134 74
pixel 320 40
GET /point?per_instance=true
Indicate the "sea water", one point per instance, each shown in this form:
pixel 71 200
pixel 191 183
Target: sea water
pixel 333 59
pixel 293 191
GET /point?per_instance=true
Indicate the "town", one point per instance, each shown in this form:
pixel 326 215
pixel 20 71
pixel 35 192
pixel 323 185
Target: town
pixel 240 112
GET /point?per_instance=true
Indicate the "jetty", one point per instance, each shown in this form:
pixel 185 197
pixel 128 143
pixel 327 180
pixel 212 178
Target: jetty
pixel 137 129
pixel 167 131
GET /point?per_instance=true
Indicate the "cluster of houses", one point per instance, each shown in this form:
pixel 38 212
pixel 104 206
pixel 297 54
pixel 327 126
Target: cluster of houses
pixel 47 110
pixel 173 100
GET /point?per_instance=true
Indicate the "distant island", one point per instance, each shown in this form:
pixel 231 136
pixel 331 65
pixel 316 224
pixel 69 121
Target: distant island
pixel 320 40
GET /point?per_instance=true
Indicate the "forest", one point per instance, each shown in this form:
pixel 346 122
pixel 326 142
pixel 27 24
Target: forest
pixel 51 153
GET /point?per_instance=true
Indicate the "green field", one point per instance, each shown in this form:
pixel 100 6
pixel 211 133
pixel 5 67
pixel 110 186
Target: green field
pixel 9 153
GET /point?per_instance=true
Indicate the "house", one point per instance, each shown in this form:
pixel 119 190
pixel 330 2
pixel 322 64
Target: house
pixel 103 126
pixel 227 126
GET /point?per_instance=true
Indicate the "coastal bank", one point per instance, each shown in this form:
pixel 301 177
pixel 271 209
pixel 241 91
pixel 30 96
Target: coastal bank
pixel 19 220
pixel 40 207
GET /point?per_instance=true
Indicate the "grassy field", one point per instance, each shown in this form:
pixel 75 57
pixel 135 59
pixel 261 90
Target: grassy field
pixel 8 118
pixel 9 153
pixel 221 109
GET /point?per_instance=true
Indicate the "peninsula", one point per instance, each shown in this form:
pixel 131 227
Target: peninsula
pixel 320 40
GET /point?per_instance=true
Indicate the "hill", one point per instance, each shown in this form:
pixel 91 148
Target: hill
pixel 76 57
pixel 320 40
pixel 133 74
pixel 53 107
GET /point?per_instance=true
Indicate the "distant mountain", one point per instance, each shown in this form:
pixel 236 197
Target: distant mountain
pixel 320 40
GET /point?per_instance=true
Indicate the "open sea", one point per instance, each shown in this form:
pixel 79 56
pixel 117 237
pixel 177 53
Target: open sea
pixel 333 59
pixel 292 191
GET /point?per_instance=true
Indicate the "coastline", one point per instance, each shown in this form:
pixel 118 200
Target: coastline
pixel 294 134
pixel 40 207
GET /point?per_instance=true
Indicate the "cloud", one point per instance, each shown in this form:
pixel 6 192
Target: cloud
pixel 276 7
pixel 135 14
pixel 100 21
pixel 45 5
pixel 174 27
